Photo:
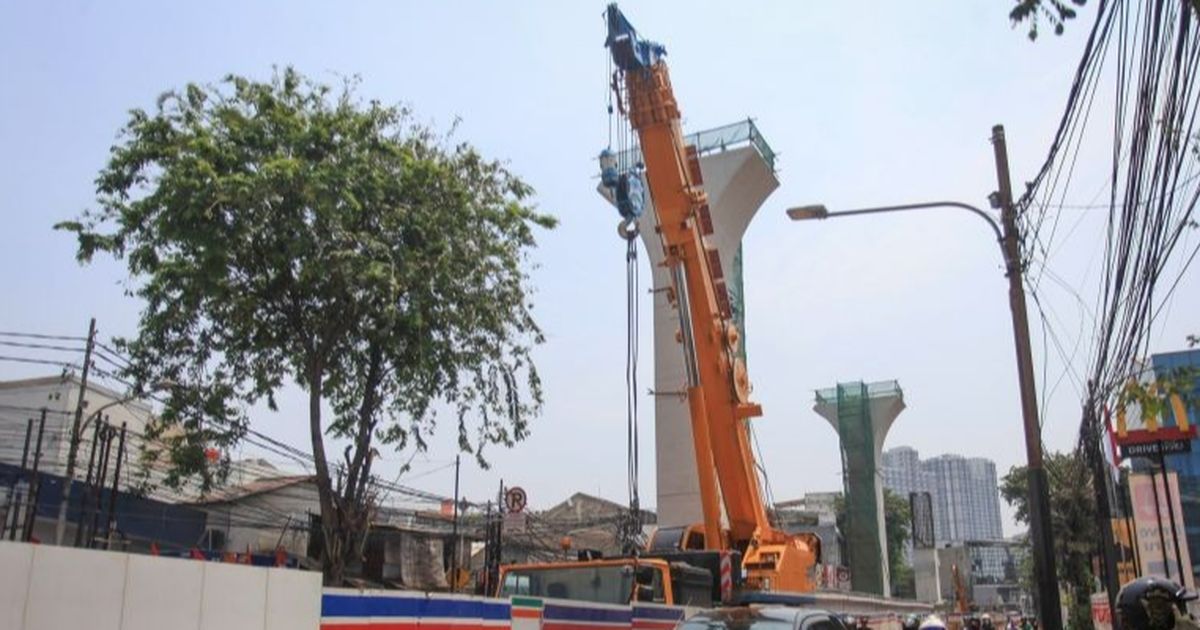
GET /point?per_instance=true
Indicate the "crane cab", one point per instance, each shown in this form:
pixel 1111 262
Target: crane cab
pixel 684 538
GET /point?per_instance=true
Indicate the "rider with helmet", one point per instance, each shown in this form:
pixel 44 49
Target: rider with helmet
pixel 933 622
pixel 1155 603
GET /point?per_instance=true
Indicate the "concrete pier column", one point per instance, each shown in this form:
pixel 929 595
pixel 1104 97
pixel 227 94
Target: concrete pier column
pixel 862 414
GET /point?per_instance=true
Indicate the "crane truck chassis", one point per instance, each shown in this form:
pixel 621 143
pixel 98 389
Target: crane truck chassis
pixel 679 578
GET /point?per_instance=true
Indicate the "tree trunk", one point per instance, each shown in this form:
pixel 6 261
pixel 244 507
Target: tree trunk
pixel 345 516
pixel 332 563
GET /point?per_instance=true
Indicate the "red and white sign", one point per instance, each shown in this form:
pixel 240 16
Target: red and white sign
pixel 515 499
pixel 726 577
pixel 1101 613
pixel 1156 546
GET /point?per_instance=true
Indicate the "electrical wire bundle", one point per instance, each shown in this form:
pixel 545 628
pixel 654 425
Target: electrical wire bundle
pixel 1152 53
pixel 149 474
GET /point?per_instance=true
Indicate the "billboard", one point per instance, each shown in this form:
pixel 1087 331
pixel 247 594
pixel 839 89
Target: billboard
pixel 1152 522
pixel 830 577
pixel 1123 538
pixel 1101 613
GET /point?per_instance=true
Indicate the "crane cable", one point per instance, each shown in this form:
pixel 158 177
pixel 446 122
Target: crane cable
pixel 631 364
pixel 631 527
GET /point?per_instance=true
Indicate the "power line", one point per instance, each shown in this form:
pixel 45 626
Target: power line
pixel 1152 188
pixel 40 361
pixel 250 436
pixel 40 346
pixel 25 335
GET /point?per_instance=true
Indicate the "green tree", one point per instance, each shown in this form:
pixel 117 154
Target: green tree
pixel 1072 521
pixel 1056 12
pixel 896 520
pixel 1155 397
pixel 286 231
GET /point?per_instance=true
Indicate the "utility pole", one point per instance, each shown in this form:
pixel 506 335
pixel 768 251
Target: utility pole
pixel 495 542
pixel 1100 487
pixel 35 482
pixel 87 490
pixel 112 497
pixel 454 558
pixel 14 495
pixel 1162 465
pixel 1041 535
pixel 69 479
pixel 1162 539
pixel 106 438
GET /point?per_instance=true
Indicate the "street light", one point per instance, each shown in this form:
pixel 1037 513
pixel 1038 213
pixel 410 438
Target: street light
pixel 68 483
pixel 1041 536
pixel 802 213
pixel 819 211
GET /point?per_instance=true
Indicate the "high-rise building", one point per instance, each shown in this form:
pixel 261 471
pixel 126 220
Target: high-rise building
pixel 966 496
pixel 902 472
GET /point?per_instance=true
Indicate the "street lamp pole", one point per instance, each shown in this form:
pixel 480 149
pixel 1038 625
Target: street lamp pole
pixel 76 431
pixel 61 524
pixel 1041 536
pixel 73 448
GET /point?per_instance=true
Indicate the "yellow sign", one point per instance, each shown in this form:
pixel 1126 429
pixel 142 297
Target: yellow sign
pixel 1124 541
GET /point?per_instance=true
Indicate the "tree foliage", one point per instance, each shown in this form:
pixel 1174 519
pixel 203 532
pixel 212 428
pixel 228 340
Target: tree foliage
pixel 1056 12
pixel 1072 521
pixel 1153 398
pixel 897 519
pixel 287 232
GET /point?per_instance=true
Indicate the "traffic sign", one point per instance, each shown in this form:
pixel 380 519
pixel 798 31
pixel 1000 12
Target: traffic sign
pixel 515 499
pixel 1150 449
pixel 515 523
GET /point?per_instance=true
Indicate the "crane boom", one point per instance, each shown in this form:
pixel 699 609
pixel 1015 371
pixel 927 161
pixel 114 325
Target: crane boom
pixel 718 389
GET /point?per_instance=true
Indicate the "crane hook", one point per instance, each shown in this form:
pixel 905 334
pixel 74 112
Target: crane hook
pixel 628 229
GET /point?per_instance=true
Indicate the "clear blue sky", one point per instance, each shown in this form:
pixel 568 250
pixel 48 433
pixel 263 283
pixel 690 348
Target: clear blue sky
pixel 867 103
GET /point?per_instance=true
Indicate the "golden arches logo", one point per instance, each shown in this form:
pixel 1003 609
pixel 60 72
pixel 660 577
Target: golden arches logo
pixel 1151 421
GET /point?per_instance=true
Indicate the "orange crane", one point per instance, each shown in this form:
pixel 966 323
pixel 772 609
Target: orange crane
pixel 961 604
pixel 718 388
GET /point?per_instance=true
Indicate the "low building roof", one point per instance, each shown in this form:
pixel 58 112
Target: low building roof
pixel 40 381
pixel 258 486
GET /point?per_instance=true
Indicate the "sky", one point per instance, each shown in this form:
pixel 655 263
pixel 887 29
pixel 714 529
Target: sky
pixel 866 104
